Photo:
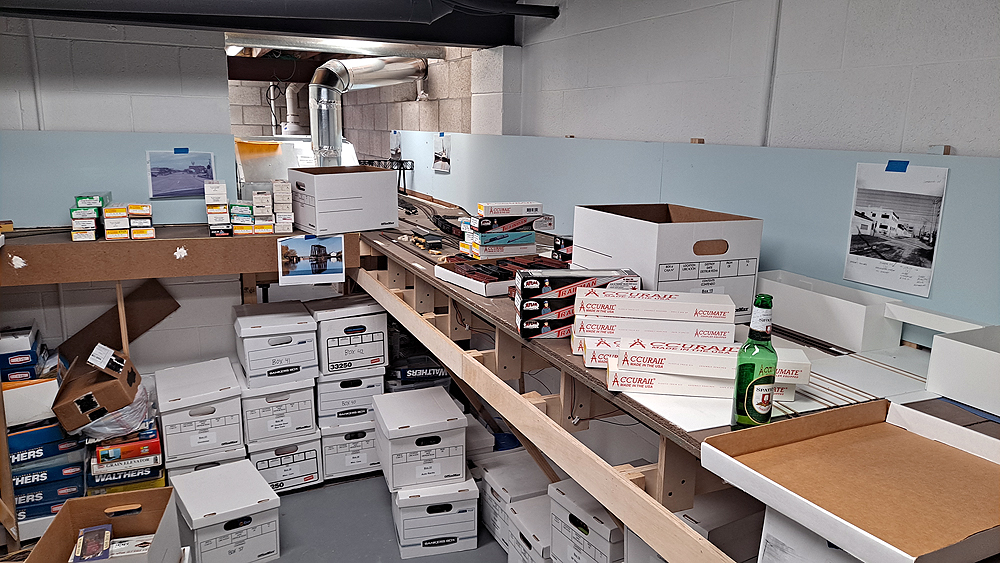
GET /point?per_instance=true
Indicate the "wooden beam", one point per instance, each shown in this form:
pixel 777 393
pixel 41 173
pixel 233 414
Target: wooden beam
pixel 574 398
pixel 423 296
pixel 508 361
pixel 632 474
pixel 7 517
pixel 676 474
pixel 397 276
pixel 476 403
pixel 661 529
pixel 121 317
pixel 249 282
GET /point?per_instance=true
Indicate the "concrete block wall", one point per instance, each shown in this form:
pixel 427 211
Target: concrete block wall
pixel 369 115
pixel 250 112
pixel 882 75
pixel 96 77
pixel 496 91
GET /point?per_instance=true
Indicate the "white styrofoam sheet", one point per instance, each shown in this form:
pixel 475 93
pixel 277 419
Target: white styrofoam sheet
pixel 902 357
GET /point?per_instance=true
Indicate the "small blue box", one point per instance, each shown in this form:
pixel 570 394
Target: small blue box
pixel 46 493
pixel 124 477
pixel 60 467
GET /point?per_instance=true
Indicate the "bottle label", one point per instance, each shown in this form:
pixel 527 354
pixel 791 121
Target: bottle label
pixel 760 320
pixel 762 394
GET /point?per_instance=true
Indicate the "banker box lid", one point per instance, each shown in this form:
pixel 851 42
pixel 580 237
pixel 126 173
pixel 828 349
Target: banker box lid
pixel 219 494
pixel 420 411
pixel 574 498
pixel 342 307
pixel 262 319
pixel 287 387
pixel 182 387
pixel 532 517
pixel 421 496
pixel 516 477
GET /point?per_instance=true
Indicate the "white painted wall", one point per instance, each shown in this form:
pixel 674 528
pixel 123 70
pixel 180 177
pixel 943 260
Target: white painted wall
pixel 878 75
pixel 97 77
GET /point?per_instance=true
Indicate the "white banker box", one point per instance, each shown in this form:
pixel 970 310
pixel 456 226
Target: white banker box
pixel 420 438
pixel 343 199
pixel 276 342
pixel 352 333
pixel 204 461
pixel 230 514
pixel 681 249
pixel 713 308
pixel 200 409
pixel 349 450
pixel 704 360
pixel 583 531
pixel 478 440
pixel 529 530
pixel 677 331
pixel 289 463
pixel 509 479
pixel 435 519
pixel 349 401
pixel 271 412
pixel 965 366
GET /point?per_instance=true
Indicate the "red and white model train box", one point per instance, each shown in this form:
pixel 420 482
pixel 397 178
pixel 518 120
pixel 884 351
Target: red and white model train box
pixel 596 351
pixel 703 360
pixel 666 384
pixel 679 331
pixel 507 208
pixel 709 307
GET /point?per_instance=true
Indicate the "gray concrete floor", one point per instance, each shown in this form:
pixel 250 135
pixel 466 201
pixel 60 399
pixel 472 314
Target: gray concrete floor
pixel 350 521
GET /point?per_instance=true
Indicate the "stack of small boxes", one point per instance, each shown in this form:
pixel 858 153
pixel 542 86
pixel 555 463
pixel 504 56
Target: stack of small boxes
pixel 544 298
pixel 502 230
pixel 352 351
pixel 281 194
pixel 562 248
pixel 276 343
pixel 86 218
pixel 127 463
pixel 129 221
pixel 217 209
pixel 267 212
pixel 510 478
pixel 420 440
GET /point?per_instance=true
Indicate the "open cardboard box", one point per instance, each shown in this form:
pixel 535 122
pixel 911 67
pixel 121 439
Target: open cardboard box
pixel 88 393
pixel 135 513
pixel 881 481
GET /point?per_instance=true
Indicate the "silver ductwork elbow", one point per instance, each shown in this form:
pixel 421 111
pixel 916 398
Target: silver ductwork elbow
pixel 336 77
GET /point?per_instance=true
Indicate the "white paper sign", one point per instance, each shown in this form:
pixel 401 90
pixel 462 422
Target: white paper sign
pixel 894 226
pixel 203 439
pixel 280 423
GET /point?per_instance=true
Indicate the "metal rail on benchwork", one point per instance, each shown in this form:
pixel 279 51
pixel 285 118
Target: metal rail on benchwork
pixel 642 498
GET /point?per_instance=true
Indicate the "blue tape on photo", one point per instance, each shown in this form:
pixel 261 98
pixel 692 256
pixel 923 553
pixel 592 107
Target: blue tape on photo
pixel 897 165
pixel 181 151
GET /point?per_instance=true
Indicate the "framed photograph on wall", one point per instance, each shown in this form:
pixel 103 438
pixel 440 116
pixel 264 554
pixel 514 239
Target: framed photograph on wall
pixel 179 173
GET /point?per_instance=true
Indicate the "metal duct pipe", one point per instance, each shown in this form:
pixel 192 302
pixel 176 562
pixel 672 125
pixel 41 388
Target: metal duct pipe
pixel 292 125
pixel 346 46
pixel 336 77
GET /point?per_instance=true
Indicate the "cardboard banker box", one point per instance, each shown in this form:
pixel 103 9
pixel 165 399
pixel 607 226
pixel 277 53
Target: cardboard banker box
pixel 343 199
pixel 674 248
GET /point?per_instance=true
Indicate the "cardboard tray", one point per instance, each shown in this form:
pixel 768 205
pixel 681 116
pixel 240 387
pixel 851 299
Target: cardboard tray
pixel 883 482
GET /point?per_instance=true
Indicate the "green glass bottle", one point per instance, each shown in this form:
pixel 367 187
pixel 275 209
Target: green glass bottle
pixel 755 368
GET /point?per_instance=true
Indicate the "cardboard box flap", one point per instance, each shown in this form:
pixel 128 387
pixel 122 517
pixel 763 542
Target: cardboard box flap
pixel 581 505
pixel 877 490
pixel 209 497
pixel 667 213
pixel 516 477
pixel 340 307
pixel 263 319
pixel 183 387
pixel 145 307
pixel 422 496
pixel 148 512
pixel 417 412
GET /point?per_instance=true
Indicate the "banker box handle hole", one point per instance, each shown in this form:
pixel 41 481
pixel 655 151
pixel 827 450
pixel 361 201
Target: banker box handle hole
pixel 712 247
pixel 202 411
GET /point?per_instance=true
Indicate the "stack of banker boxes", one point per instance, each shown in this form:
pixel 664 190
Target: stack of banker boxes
pixel 420 440
pixel 352 341
pixel 582 530
pixel 669 343
pixel 86 218
pixel 502 230
pixel 508 479
pixel 544 299
pixel 276 343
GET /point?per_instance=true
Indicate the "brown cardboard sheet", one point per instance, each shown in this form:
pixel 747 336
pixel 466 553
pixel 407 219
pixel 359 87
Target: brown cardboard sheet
pixel 911 492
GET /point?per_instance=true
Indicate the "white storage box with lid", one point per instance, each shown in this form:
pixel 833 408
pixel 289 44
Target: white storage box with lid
pixel 511 478
pixel 200 409
pixel 352 333
pixel 276 342
pixel 348 401
pixel 529 530
pixel 276 411
pixel 435 519
pixel 349 449
pixel 583 531
pixel 420 438
pixel 730 519
pixel 215 459
pixel 289 463
pixel 478 440
pixel 965 366
pixel 343 199
pixel 230 514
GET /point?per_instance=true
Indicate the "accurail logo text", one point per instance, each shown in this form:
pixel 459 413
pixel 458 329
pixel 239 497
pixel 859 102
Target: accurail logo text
pixel 709 314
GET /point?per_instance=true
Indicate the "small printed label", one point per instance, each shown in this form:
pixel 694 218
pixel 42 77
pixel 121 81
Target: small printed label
pixel 360 458
pixel 203 439
pixel 288 471
pixel 428 470
pixel 762 394
pixel 760 320
pixel 100 356
pixel 279 423
pixel 573 555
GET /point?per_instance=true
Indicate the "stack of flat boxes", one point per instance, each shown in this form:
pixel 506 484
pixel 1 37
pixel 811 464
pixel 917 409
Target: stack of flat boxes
pixel 420 440
pixel 353 342
pixel 200 417
pixel 241 217
pixel 670 343
pixel 562 248
pixel 544 299
pixel 263 212
pixel 284 218
pixel 129 221
pixel 276 343
pixel 86 218
pixel 127 463
pixel 502 230
pixel 217 209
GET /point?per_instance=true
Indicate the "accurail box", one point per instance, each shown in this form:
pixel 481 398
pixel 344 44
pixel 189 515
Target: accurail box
pixel 200 409
pixel 349 449
pixel 677 331
pixel 276 342
pixel 713 308
pixel 420 438
pixel 225 523
pixel 436 519
pixel 352 333
pixel 583 531
pixel 343 199
pixel 289 463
